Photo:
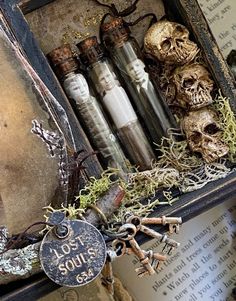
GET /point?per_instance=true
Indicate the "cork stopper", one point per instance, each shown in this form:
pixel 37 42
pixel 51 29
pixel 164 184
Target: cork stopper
pixel 115 32
pixel 90 50
pixel 63 60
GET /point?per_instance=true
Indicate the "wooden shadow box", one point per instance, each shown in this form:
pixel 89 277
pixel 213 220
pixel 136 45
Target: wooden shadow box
pixel 35 27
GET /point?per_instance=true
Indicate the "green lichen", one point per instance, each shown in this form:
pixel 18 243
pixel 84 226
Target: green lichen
pixel 142 209
pixel 139 185
pixel 71 212
pixel 16 264
pixel 176 154
pixel 96 188
pixel 144 184
pixel 228 124
pixel 177 166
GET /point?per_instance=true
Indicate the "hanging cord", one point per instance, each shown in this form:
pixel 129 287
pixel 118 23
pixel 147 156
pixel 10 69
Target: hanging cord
pixel 13 241
pixel 75 167
pixel 126 12
pixel 153 20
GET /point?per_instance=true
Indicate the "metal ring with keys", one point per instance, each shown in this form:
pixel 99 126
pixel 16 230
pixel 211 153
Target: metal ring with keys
pixel 130 229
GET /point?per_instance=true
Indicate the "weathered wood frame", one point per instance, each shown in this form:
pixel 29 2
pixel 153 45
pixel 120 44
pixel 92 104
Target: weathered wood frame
pixel 190 204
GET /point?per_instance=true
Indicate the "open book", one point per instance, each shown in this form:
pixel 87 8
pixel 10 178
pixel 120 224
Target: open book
pixel 202 268
pixel 220 15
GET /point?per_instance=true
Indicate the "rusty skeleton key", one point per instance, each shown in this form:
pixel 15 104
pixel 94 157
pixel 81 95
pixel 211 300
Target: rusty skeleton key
pixel 143 258
pixel 138 222
pixel 155 258
pixel 162 238
pixel 173 222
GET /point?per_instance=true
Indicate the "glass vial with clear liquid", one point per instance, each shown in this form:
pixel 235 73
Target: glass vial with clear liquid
pixel 88 108
pixel 126 55
pixel 116 103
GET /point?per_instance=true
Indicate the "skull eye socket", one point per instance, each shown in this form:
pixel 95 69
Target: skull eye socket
pixel 179 30
pixel 166 45
pixel 188 82
pixel 211 129
pixel 179 42
pixel 196 137
pixel 206 79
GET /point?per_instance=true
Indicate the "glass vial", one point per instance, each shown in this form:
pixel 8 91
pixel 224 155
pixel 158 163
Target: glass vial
pixel 126 55
pixel 117 103
pixel 76 87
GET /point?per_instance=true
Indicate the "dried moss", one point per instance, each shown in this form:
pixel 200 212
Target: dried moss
pixel 139 185
pixel 177 166
pixel 144 184
pixel 228 124
pixel 142 209
pixel 176 154
pixel 96 188
pixel 71 212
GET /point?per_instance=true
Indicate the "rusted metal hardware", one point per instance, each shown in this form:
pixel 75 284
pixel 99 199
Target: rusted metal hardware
pixel 127 244
pixel 119 246
pixel 160 237
pixel 154 258
pixel 130 231
pixel 105 206
pixel 107 276
pixel 144 260
pixel 173 222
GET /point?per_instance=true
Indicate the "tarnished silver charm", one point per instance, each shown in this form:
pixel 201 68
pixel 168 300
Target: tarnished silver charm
pixel 73 253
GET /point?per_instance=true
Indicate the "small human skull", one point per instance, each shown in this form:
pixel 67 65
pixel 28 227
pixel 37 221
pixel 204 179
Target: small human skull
pixel 169 43
pixel 231 60
pixel 204 135
pixel 193 86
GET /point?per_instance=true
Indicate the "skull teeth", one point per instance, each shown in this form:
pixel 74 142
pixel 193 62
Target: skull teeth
pixel 193 85
pixel 186 52
pixel 202 98
pixel 211 154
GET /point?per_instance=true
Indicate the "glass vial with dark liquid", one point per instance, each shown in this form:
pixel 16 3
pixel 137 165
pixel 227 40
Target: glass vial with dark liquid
pixel 126 55
pixel 117 103
pixel 87 107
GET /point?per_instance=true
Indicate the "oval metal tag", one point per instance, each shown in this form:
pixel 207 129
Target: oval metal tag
pixel 73 253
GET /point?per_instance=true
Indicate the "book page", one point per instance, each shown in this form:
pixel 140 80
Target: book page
pixel 220 15
pixel 202 268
